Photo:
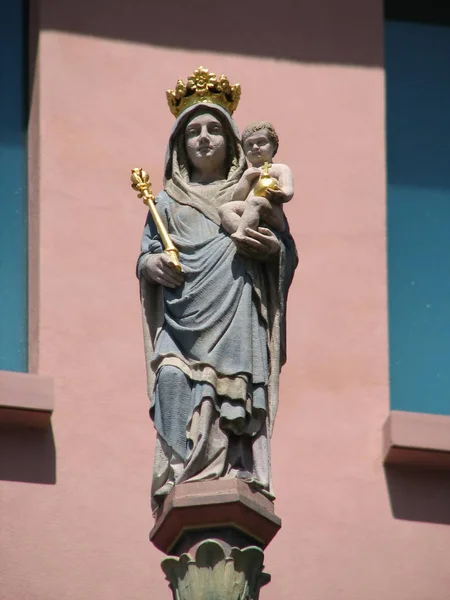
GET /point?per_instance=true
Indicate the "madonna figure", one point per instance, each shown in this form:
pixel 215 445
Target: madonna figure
pixel 214 334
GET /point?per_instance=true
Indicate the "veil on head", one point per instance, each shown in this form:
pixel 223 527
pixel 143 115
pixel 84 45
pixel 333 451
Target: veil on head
pixel 205 198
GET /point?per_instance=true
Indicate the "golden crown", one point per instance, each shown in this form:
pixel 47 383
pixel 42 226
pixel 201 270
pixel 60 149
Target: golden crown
pixel 203 86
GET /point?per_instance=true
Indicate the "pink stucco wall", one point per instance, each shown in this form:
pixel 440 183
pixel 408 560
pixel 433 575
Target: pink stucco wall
pixel 102 111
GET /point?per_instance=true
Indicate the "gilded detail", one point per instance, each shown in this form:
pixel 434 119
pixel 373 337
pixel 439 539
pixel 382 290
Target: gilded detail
pixel 203 86
pixel 140 182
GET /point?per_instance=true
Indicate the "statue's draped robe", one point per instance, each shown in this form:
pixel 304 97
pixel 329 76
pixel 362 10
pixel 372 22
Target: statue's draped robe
pixel 214 346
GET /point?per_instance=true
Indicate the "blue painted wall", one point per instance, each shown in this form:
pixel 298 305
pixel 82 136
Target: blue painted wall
pixel 418 147
pixel 13 195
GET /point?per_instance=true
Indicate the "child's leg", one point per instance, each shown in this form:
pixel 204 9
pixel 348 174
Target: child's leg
pixel 274 217
pixel 230 215
pixel 255 209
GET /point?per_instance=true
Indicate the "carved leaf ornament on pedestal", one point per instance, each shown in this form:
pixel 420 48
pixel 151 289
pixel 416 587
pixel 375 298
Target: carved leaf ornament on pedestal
pixel 213 575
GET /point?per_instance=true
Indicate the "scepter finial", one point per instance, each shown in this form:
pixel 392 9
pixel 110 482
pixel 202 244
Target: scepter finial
pixel 140 182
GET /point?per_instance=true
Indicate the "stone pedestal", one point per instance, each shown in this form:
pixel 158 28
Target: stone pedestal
pixel 215 574
pixel 215 532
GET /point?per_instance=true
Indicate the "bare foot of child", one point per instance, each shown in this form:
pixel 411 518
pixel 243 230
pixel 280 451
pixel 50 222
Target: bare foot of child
pixel 237 236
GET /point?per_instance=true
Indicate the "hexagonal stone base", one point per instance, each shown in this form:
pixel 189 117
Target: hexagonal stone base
pixel 224 509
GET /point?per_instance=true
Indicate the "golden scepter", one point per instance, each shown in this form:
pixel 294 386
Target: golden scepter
pixel 140 181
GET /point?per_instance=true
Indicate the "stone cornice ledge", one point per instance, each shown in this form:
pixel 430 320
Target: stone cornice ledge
pixel 417 439
pixel 26 399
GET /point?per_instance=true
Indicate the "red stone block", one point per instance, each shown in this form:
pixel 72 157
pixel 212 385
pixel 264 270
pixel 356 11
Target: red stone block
pixel 223 504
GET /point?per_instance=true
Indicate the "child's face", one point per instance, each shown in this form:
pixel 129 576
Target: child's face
pixel 258 148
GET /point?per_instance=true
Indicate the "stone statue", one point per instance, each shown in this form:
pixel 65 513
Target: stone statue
pixel 250 205
pixel 214 333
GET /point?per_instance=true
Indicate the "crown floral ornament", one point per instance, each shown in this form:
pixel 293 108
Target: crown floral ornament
pixel 203 87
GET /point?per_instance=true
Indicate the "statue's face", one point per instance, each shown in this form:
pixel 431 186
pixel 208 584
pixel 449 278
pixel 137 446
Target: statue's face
pixel 205 142
pixel 258 148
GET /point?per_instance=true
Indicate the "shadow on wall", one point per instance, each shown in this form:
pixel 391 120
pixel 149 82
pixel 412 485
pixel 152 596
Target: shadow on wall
pixel 419 494
pixel 28 455
pixel 324 31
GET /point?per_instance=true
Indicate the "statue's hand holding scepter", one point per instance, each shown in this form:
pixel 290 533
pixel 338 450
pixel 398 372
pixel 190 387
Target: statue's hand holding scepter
pixel 140 181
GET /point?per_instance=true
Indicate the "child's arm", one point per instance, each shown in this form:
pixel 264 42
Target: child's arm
pixel 286 186
pixel 287 183
pixel 245 184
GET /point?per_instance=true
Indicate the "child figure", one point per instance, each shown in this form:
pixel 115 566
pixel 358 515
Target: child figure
pixel 260 143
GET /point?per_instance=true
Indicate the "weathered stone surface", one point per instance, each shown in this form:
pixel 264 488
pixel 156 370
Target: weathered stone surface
pixel 215 574
pixel 219 507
